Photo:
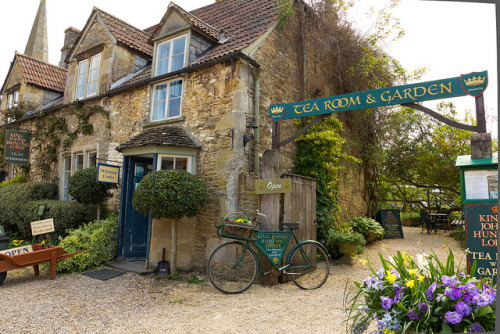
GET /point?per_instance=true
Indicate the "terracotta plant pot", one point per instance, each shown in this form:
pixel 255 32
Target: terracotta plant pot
pixel 370 238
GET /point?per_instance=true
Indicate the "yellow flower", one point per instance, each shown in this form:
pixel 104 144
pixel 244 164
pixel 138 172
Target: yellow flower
pixel 444 247
pixel 467 251
pixel 362 261
pixel 386 331
pixel 413 271
pixel 410 283
pixel 420 277
pixel 391 277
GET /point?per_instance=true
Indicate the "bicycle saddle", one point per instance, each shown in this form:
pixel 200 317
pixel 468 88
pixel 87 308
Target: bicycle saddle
pixel 291 226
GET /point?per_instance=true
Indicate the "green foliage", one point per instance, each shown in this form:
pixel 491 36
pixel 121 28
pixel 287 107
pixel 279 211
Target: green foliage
pixel 321 156
pixel 425 295
pixel 195 280
pixel 366 226
pixel 100 237
pixel 21 178
pixel 339 237
pixel 285 10
pixel 52 132
pixel 172 193
pixel 84 188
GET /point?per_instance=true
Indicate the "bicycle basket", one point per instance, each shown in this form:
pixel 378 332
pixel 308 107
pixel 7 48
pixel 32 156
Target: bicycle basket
pixel 238 225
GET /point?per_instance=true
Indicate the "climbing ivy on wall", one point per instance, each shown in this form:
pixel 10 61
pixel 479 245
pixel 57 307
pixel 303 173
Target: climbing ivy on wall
pixel 52 132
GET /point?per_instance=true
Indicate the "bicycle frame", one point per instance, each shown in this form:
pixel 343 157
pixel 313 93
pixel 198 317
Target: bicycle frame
pixel 272 245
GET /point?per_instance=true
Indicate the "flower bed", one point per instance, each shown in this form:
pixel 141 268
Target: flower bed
pixel 423 296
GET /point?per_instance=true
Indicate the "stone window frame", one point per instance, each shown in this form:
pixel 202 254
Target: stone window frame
pixel 90 70
pixel 66 174
pixel 69 165
pixel 167 100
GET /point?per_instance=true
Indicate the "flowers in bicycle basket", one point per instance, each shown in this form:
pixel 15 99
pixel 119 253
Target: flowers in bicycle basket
pixel 238 220
pixel 422 296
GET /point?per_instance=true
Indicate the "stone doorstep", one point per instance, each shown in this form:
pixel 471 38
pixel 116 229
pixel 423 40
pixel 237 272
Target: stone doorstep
pixel 138 267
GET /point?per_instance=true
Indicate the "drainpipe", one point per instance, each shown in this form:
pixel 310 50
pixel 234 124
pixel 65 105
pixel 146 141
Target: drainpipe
pixel 256 75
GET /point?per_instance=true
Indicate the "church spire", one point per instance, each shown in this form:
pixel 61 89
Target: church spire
pixel 37 46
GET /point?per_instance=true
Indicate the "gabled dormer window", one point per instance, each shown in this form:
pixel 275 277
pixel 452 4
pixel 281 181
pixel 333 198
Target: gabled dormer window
pixel 87 77
pixel 170 55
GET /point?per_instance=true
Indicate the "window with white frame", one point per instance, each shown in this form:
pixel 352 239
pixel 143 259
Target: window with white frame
pixel 66 176
pixel 78 161
pixel 174 162
pixel 171 55
pixel 12 101
pixel 92 159
pixel 167 100
pixel 87 77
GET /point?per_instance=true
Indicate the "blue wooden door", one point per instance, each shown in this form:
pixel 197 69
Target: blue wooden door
pixel 135 224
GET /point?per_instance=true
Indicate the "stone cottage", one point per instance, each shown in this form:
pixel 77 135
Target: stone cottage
pixel 185 93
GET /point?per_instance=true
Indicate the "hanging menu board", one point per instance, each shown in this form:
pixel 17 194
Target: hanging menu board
pixel 391 222
pixel 481 184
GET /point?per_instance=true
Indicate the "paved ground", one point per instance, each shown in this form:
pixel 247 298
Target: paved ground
pixel 132 303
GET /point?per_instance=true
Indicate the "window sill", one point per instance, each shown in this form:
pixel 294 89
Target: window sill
pixel 165 121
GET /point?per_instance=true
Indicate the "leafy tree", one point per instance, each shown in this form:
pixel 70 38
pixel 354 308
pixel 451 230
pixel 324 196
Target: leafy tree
pixel 84 188
pixel 172 194
pixel 419 156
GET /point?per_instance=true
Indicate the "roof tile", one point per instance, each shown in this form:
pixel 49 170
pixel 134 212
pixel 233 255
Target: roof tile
pixel 42 74
pixel 162 136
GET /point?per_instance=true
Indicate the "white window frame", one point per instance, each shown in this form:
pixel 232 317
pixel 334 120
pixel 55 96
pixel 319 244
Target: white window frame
pixel 167 100
pixel 66 175
pixel 79 157
pixel 12 101
pixel 175 156
pixel 89 75
pixel 171 55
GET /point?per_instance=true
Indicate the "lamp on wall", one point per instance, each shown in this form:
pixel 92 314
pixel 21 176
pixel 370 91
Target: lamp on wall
pixel 229 133
pixel 246 139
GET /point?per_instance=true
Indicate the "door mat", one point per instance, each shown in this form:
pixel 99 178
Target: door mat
pixel 103 274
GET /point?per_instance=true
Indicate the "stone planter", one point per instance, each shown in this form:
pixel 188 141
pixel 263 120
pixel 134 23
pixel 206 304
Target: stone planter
pixel 348 250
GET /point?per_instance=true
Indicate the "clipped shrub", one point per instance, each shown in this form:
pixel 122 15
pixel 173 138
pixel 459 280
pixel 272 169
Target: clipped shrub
pixel 84 188
pixel 339 237
pixel 366 226
pixel 66 215
pixel 100 237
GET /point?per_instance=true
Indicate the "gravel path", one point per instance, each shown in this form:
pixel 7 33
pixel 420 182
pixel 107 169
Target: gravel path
pixel 130 303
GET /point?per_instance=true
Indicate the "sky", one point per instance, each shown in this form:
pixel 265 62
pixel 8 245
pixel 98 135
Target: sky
pixel 447 38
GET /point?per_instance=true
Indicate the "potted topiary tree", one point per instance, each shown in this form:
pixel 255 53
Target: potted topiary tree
pixel 84 188
pixel 172 194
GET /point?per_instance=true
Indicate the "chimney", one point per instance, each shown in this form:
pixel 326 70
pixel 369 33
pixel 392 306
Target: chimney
pixel 70 36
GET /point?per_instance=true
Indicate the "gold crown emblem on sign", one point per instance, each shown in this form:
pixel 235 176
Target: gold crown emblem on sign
pixel 495 209
pixel 276 110
pixel 474 81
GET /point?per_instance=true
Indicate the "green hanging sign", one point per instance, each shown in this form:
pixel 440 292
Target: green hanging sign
pixel 17 147
pixel 472 84
pixel 273 244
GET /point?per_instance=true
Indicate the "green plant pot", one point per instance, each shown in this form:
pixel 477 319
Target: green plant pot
pixel 348 249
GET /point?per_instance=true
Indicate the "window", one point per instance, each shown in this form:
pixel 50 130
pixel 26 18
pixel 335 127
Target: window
pixel 78 161
pixel 174 162
pixel 167 100
pixel 66 176
pixel 171 55
pixel 92 158
pixel 12 101
pixel 86 81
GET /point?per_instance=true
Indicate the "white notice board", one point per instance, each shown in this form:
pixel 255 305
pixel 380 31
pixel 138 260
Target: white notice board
pixel 481 184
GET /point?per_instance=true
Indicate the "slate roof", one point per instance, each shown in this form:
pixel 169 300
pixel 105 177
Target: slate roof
pixel 162 136
pixel 40 73
pixel 125 33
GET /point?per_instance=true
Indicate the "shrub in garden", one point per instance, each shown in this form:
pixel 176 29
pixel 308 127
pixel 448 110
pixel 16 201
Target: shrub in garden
pixel 367 226
pixel 173 194
pixel 423 296
pixel 100 237
pixel 84 188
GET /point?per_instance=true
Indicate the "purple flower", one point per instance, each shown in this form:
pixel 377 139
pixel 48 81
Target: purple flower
pixel 398 294
pixel 474 329
pixel 430 291
pixel 453 317
pixel 467 298
pixel 455 293
pixel 386 302
pixel 411 315
pixel 369 281
pixel 422 307
pixel 462 308
pixel 449 280
pixel 481 300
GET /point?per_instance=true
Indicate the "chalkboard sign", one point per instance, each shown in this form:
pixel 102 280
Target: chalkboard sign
pixel 481 225
pixel 391 222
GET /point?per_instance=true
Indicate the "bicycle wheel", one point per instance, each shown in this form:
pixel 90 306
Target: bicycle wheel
pixel 232 269
pixel 309 266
